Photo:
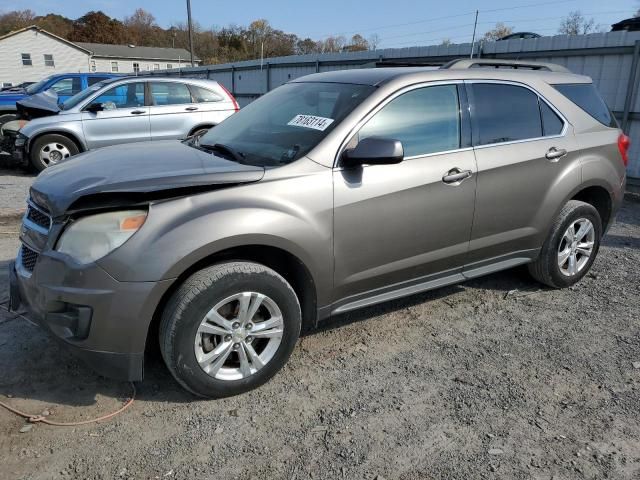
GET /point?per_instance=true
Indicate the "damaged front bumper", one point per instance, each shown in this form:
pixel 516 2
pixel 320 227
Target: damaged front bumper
pixel 13 142
pixel 103 321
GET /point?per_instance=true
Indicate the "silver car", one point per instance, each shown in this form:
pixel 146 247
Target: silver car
pixel 117 111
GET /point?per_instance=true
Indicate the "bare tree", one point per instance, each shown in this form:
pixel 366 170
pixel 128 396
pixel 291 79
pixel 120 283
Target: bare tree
pixel 499 31
pixel 446 42
pixel 576 24
pixel 374 41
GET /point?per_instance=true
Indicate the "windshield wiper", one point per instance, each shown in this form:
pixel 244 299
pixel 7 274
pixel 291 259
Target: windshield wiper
pixel 221 147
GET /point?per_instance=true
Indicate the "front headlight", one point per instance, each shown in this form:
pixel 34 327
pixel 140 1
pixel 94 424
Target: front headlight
pixel 94 236
pixel 21 139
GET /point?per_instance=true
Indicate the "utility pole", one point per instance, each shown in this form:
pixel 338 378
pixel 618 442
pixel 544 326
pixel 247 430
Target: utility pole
pixel 190 31
pixel 473 40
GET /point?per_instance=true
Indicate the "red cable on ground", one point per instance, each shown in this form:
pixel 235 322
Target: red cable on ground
pixel 43 419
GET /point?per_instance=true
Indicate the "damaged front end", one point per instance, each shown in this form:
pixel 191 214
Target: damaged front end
pixel 36 106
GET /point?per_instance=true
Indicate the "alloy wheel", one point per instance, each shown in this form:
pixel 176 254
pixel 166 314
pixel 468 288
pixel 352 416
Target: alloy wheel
pixel 52 153
pixel 576 247
pixel 239 336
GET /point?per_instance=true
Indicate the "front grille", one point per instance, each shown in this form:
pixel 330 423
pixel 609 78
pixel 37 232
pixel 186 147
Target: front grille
pixel 38 217
pixel 28 258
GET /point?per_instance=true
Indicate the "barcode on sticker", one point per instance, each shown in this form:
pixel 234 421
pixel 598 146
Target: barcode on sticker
pixel 311 121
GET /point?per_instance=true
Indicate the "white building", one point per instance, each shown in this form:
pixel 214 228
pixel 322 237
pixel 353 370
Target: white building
pixel 30 54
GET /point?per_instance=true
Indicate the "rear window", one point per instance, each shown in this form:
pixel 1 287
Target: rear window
pixel 588 99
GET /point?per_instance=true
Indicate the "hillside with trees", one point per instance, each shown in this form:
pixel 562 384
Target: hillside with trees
pixel 215 45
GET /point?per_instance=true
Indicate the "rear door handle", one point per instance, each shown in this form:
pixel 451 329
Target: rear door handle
pixel 191 109
pixel 138 112
pixel 554 154
pixel 455 176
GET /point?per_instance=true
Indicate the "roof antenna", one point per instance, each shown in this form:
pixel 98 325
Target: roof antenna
pixel 473 40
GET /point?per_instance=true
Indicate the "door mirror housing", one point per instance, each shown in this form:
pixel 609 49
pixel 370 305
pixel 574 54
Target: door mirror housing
pixel 374 151
pixel 95 107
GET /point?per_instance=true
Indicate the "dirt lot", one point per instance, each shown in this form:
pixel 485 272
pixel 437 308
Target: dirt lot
pixel 495 378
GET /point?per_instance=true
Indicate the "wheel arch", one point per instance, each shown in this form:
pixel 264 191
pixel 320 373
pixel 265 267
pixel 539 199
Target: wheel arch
pixel 282 261
pixel 71 136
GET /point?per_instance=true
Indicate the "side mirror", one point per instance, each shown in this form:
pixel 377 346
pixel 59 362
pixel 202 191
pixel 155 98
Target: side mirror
pixel 95 108
pixel 374 151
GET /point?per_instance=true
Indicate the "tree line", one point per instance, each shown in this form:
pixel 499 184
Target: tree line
pixel 216 45
pixel 226 44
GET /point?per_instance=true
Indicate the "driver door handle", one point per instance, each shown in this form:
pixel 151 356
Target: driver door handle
pixel 191 109
pixel 455 176
pixel 554 154
pixel 138 112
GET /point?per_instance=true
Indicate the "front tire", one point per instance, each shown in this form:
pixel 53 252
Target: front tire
pixel 570 248
pixel 51 149
pixel 229 328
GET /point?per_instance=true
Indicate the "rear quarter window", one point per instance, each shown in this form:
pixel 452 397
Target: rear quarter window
pixel 585 96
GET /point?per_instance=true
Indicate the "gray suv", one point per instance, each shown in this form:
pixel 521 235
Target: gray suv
pixel 333 192
pixel 114 111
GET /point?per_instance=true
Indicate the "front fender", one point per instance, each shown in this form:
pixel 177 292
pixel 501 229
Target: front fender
pixel 181 232
pixel 69 129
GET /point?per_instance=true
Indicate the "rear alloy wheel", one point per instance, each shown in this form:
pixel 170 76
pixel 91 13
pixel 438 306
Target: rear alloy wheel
pixel 229 328
pixel 51 149
pixel 570 248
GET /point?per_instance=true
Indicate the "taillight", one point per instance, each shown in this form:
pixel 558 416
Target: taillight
pixel 624 142
pixel 235 103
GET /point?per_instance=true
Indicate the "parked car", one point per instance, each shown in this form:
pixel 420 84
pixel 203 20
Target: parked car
pixel 333 192
pixel 65 85
pixel 16 88
pixel 114 111
pixel 520 35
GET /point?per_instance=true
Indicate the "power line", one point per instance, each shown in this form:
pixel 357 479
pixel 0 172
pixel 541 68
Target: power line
pixel 530 5
pixel 490 22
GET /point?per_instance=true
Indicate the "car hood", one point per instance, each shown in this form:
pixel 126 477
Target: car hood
pixel 135 173
pixel 39 105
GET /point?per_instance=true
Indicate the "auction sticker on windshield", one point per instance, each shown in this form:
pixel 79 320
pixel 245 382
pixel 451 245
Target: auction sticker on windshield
pixel 311 121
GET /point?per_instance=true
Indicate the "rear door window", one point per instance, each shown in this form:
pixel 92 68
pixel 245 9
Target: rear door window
pixel 588 99
pixel 505 113
pixel 169 93
pixel 552 124
pixel 425 120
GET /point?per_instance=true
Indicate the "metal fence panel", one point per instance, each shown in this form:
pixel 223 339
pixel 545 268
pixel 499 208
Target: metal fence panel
pixel 608 58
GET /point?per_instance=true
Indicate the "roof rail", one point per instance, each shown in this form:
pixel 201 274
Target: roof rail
pixel 467 63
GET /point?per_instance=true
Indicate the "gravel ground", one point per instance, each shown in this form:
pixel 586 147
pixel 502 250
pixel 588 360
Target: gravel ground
pixel 497 378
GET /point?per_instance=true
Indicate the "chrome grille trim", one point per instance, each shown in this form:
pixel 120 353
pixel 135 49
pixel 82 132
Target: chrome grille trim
pixel 37 219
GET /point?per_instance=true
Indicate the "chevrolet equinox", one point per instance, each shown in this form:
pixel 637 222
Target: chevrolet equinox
pixel 334 191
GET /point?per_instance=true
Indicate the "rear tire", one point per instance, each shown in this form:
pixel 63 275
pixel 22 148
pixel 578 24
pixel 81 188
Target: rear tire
pixel 51 149
pixel 214 350
pixel 571 247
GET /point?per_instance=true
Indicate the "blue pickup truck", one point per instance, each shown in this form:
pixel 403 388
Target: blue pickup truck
pixel 65 85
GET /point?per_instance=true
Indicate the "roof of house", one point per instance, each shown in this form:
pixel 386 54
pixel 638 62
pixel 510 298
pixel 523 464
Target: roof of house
pixel 127 51
pixel 116 51
pixel 40 30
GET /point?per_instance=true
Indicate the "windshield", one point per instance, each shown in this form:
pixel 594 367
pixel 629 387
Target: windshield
pixel 36 87
pixel 285 124
pixel 81 96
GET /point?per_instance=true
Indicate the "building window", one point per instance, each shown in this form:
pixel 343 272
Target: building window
pixel 93 65
pixel 156 66
pixel 169 66
pixel 114 67
pixel 148 67
pixel 48 60
pixel 26 59
pixel 136 67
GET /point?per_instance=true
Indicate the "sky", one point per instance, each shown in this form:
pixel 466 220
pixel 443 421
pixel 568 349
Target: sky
pixel 400 23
